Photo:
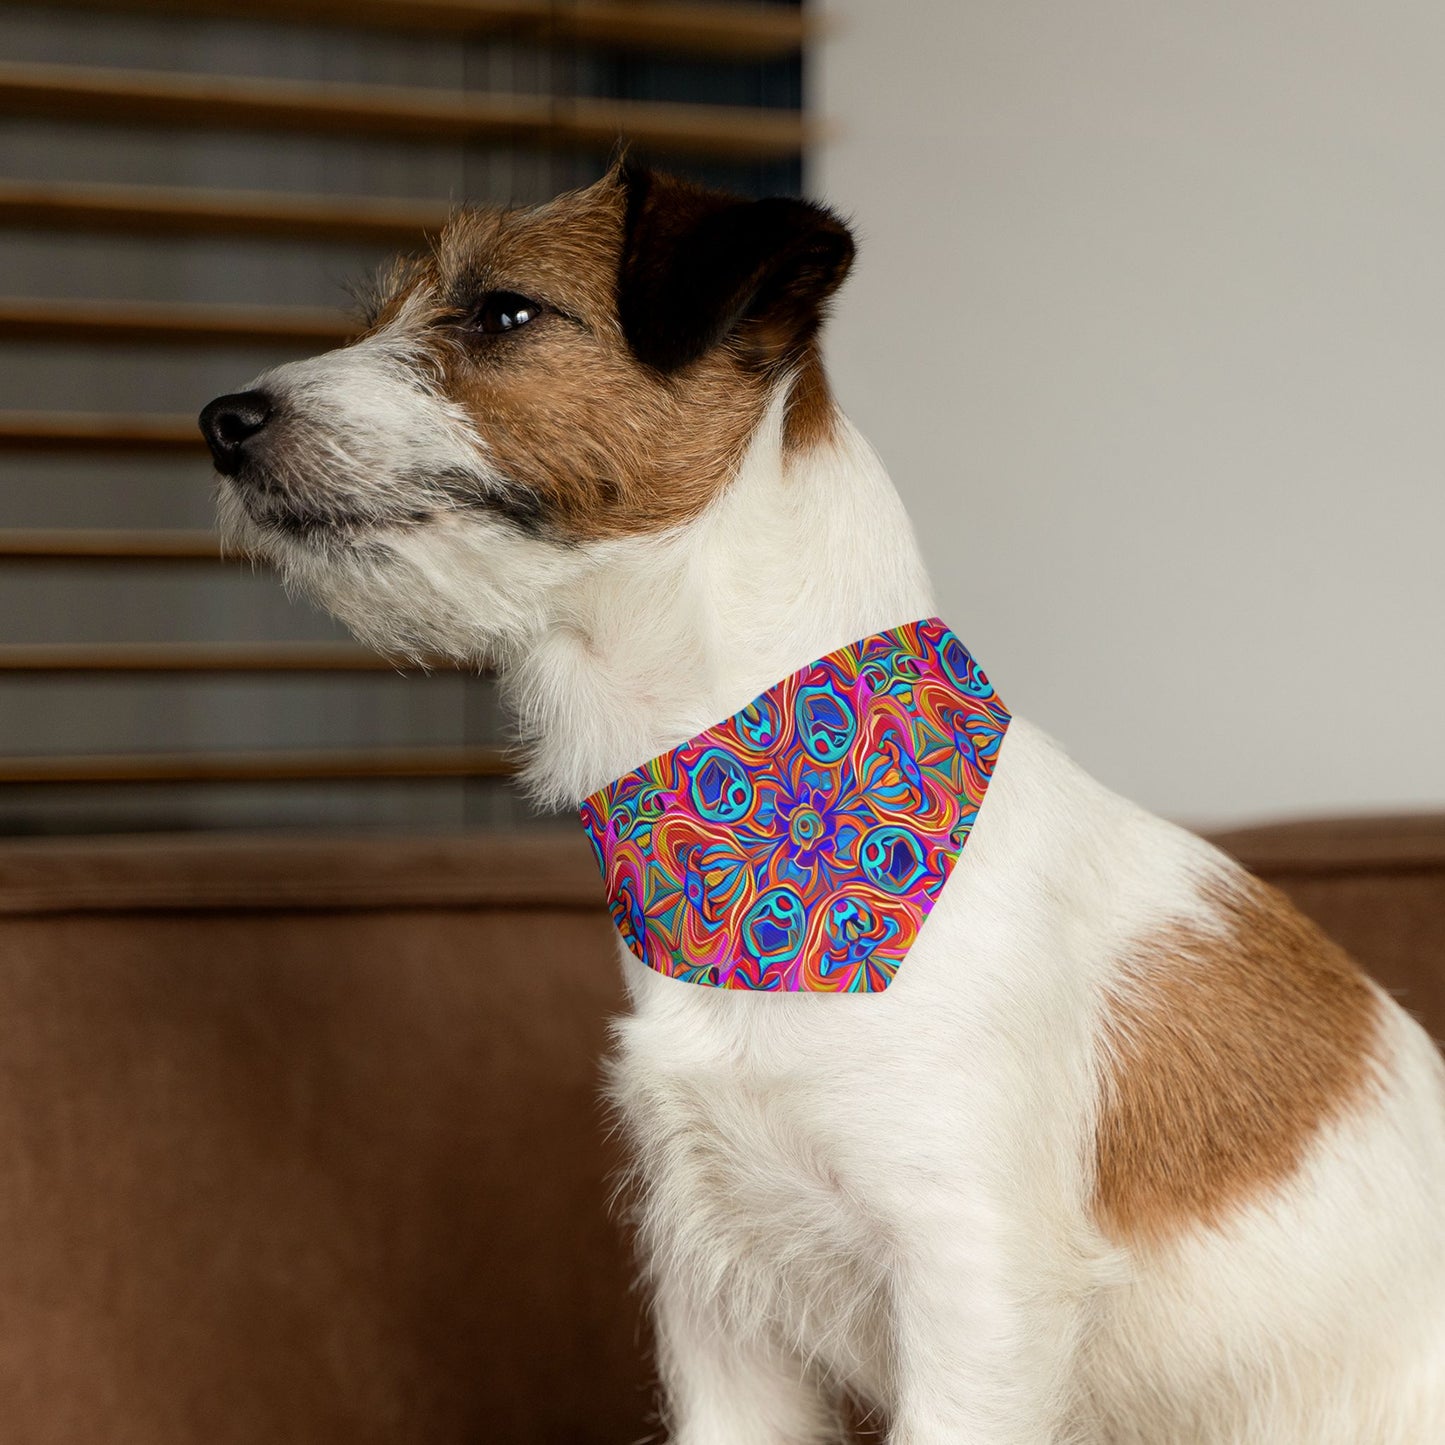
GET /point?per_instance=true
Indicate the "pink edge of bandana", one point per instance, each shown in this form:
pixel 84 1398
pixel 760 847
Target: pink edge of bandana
pixel 799 845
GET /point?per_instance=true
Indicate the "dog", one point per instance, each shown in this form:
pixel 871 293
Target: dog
pixel 1128 1153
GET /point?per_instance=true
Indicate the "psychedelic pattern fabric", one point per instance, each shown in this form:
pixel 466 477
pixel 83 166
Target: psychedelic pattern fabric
pixel 799 845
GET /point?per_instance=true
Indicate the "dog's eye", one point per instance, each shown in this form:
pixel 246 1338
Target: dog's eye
pixel 504 311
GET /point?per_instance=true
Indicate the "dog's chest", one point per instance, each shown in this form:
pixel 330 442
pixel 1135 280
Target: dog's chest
pixel 750 1181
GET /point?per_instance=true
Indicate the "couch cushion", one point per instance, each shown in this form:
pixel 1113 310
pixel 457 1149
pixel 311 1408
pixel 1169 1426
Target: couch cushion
pixel 302 1143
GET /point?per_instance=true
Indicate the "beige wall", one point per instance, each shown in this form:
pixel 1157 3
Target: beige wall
pixel 1149 323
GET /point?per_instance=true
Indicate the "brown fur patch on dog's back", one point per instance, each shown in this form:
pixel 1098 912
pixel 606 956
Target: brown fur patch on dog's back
pixel 1227 1052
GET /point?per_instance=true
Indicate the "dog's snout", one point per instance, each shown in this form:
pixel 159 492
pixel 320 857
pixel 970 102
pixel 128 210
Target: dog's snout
pixel 229 422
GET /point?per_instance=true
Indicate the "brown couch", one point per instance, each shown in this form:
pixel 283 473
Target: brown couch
pixel 302 1141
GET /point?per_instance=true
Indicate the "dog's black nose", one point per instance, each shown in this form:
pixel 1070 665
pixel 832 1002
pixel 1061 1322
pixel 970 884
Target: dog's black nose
pixel 229 422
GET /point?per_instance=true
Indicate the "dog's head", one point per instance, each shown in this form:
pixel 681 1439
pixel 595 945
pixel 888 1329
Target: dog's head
pixel 544 383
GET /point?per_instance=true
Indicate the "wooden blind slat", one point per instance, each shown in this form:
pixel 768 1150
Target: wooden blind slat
pixel 84 320
pixel 173 211
pixel 84 544
pixel 79 431
pixel 219 102
pixel 271 766
pixel 752 31
pixel 759 32
pixel 172 323
pixel 98 432
pixel 187 657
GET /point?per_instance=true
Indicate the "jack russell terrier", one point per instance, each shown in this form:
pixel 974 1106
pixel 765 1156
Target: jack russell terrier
pixel 1117 1149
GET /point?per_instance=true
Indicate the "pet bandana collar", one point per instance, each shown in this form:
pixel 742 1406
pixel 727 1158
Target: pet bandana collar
pixel 799 845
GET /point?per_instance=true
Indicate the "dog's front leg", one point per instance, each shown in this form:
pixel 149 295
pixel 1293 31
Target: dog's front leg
pixel 985 1339
pixel 720 1388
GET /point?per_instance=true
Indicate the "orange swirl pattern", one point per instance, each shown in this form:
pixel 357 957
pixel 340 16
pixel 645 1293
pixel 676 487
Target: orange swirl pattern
pixel 799 845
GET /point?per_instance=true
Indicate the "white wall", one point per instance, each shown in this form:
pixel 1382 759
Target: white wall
pixel 1149 324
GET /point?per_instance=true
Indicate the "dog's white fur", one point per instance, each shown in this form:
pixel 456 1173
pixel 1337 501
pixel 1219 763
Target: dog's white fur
pixel 891 1193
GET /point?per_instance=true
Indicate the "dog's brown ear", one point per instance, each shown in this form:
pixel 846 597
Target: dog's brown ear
pixel 699 266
